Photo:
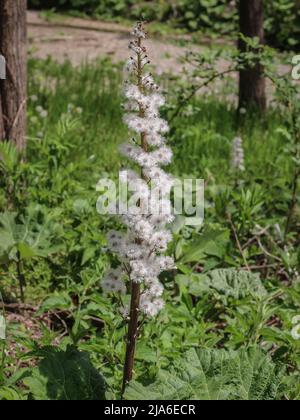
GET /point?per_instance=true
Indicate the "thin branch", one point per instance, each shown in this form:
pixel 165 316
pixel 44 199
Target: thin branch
pixel 238 242
pixel 19 112
pixel 266 252
pixel 199 87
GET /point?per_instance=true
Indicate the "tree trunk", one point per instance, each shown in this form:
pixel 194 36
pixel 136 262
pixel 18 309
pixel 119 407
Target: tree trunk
pixel 1 117
pixel 13 90
pixel 252 85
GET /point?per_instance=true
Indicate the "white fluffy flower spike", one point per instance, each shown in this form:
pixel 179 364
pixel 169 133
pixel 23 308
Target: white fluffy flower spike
pixel 140 249
pixel 238 155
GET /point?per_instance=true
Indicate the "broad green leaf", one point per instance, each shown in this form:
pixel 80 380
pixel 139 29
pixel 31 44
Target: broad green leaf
pixel 7 235
pixel 37 234
pixel 26 252
pixel 228 283
pixel 65 375
pixel 59 301
pixel 214 375
pixel 145 352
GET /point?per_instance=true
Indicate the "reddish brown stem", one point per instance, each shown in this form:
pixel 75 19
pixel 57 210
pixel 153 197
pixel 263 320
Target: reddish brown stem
pixel 21 277
pixel 132 334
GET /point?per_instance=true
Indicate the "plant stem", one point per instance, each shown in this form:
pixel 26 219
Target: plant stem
pixel 233 228
pixel 135 287
pixel 21 277
pixel 132 334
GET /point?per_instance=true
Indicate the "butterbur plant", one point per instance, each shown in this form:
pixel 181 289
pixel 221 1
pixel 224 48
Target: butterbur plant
pixel 141 248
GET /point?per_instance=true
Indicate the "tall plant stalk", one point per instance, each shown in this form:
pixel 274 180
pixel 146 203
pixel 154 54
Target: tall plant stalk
pixel 140 248
pixel 135 287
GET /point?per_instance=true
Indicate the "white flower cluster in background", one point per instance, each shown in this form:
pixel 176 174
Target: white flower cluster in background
pixel 41 111
pixel 140 250
pixel 296 329
pixel 2 328
pixel 238 156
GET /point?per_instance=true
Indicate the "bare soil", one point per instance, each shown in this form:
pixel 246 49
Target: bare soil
pixel 79 40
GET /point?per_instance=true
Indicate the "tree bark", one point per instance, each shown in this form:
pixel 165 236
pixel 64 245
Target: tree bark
pixel 252 85
pixel 13 90
pixel 1 117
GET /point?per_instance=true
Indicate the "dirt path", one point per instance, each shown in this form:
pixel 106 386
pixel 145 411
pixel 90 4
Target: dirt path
pixel 79 40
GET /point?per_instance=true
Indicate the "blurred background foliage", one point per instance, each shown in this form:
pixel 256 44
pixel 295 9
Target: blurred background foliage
pixel 220 17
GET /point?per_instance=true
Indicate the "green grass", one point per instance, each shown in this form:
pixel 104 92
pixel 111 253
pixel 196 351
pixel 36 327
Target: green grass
pixel 203 137
pixel 94 89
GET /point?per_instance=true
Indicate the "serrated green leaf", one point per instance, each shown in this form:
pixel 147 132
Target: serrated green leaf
pixel 228 283
pixel 214 375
